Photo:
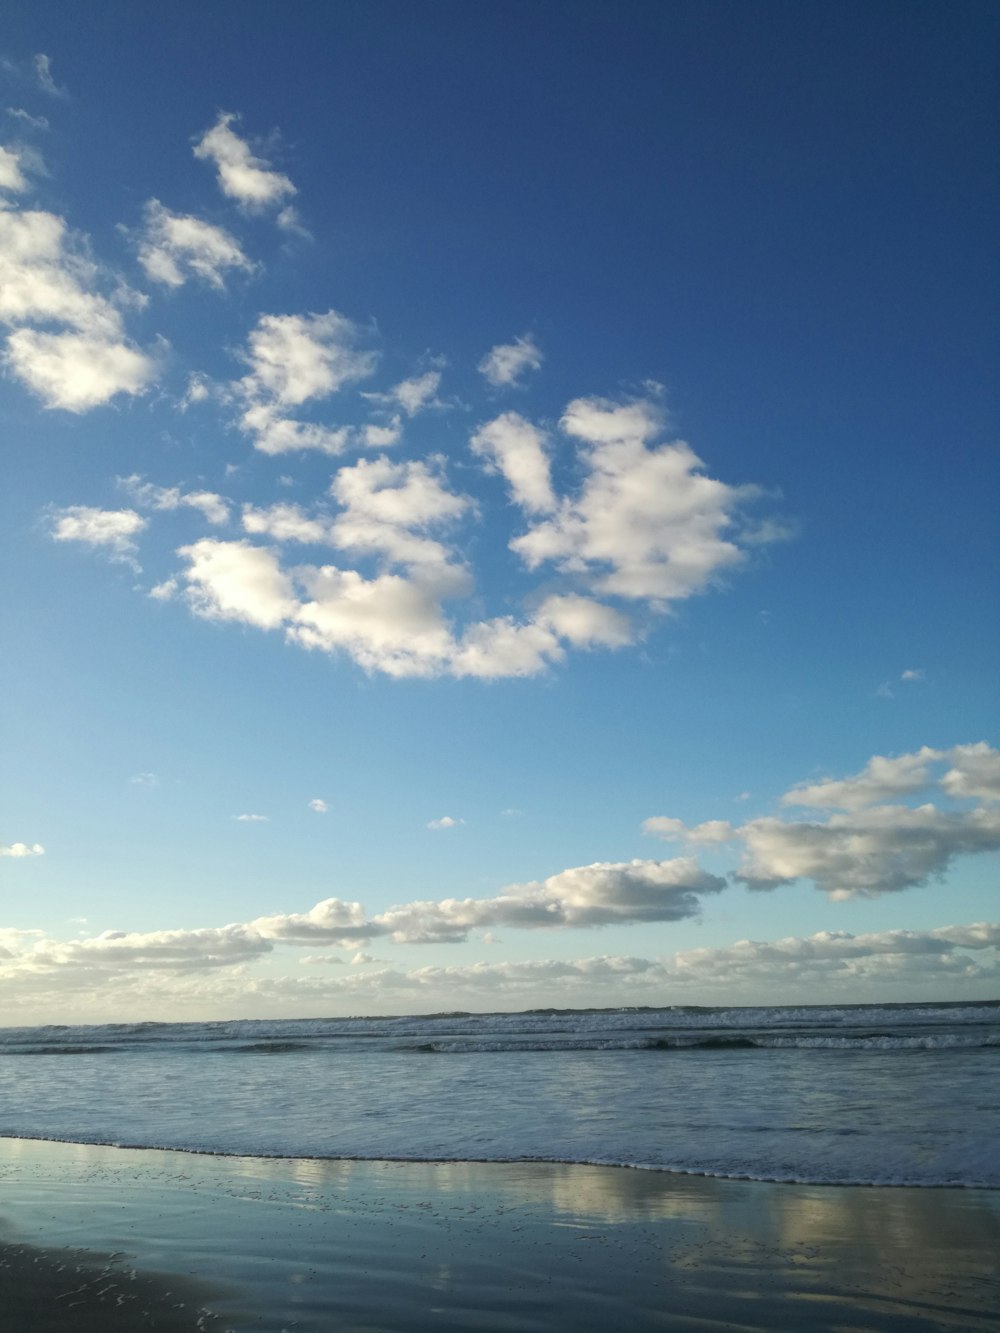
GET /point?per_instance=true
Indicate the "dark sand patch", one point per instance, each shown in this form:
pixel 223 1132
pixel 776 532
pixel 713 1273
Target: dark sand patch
pixel 52 1291
pixel 321 1246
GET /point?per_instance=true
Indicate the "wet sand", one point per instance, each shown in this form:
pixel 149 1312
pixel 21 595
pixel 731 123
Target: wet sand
pixel 121 1239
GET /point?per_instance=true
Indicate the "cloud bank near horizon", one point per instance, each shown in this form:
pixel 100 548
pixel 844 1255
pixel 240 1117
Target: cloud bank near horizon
pixel 201 969
pixel 875 848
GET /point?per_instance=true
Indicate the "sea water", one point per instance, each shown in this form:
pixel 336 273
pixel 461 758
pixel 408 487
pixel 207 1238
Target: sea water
pixel 873 1095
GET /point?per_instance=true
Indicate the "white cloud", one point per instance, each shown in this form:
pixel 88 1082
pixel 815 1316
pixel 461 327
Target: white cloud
pixel 275 434
pixel 295 359
pixel 869 852
pixel 417 394
pixel 665 827
pixel 165 590
pixel 389 623
pixel 170 950
pixel 387 507
pixel 250 180
pixel 445 822
pixel 492 649
pixel 374 436
pixel 237 581
pixel 144 780
pixel 643 525
pixel 74 371
pixel 329 922
pixel 199 390
pixel 175 246
pixel 318 805
pixel 882 779
pixel 413 395
pixel 602 894
pixel 584 622
pixel 874 847
pixel 709 833
pixel 840 957
pixel 11 174
pixel 913 673
pixel 286 523
pixel 517 449
pixel 646 523
pixel 170 965
pixel 113 529
pixel 975 772
pixel 46 276
pixel 596 895
pixel 504 364
pixel 251 819
pixel 600 421
pixel 830 963
pixel 19 849
pixel 215 508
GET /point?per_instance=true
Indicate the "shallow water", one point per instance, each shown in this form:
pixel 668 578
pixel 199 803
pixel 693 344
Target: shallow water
pixel 318 1245
pixel 866 1095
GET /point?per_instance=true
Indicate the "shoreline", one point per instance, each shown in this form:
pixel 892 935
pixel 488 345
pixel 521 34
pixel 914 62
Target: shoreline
pixel 311 1244
pixel 650 1167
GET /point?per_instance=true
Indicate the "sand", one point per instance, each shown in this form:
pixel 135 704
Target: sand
pixel 110 1238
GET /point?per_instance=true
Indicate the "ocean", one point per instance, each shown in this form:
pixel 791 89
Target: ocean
pixel 839 1095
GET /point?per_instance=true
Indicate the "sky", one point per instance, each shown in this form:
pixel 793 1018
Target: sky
pixel 500 508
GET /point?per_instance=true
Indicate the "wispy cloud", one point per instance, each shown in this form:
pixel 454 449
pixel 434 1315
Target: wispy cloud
pixel 213 507
pixel 26 118
pixel 242 176
pixel 45 78
pixel 113 530
pixel 504 365
pixel 174 247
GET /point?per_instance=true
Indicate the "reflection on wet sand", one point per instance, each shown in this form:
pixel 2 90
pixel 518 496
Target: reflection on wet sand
pixel 422 1246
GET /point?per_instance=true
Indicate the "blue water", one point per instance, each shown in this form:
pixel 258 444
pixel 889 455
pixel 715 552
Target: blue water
pixel 888 1094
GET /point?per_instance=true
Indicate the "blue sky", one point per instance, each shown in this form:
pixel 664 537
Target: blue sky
pixel 501 506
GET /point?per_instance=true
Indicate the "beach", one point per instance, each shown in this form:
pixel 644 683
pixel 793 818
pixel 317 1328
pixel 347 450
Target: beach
pixel 114 1238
